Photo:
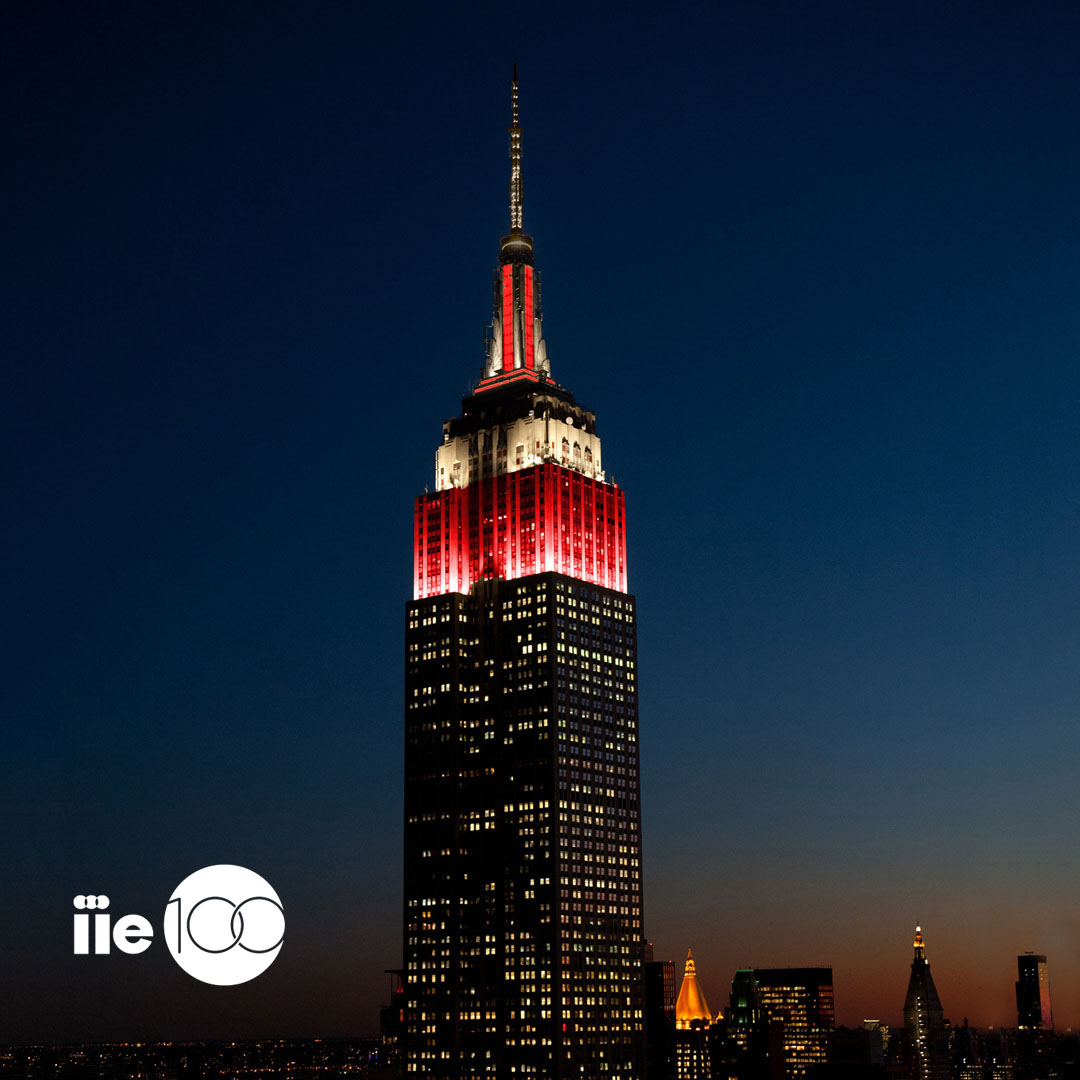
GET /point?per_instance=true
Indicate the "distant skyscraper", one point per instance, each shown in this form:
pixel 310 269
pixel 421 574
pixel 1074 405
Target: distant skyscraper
pixel 883 1029
pixel 801 1000
pixel 854 1054
pixel 692 1021
pixel 745 1053
pixel 1033 994
pixel 522 863
pixel 964 1053
pixel 392 1023
pixel 927 1041
pixel 743 1005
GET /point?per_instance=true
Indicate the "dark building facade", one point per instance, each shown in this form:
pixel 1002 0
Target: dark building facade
pixel 1036 1049
pixel 522 900
pixel 1033 1011
pixel 659 997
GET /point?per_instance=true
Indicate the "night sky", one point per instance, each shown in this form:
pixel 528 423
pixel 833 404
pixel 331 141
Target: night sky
pixel 815 268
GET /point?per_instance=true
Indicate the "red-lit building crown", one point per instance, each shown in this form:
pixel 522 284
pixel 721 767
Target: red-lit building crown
pixel 519 487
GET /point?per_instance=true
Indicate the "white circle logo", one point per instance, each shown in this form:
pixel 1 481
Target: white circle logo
pixel 224 924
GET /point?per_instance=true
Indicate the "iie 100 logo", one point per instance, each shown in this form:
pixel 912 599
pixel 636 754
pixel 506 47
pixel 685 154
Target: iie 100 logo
pixel 223 925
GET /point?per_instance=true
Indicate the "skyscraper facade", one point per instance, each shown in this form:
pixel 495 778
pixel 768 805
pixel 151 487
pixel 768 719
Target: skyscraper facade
pixel 1033 1011
pixel 926 1040
pixel 800 1001
pixel 522 898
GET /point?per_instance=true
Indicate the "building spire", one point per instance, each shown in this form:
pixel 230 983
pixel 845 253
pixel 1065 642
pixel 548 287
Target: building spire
pixel 516 191
pixel 515 346
pixel 924 1020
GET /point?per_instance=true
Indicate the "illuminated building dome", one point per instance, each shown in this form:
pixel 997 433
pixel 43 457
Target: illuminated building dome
pixel 691 1004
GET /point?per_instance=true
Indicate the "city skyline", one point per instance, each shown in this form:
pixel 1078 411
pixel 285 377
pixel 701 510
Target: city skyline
pixel 815 269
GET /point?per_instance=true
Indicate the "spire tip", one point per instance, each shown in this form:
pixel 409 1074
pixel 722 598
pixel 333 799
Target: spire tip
pixel 516 196
pixel 919 944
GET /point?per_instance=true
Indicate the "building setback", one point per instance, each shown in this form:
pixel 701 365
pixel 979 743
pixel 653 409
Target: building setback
pixel 522 862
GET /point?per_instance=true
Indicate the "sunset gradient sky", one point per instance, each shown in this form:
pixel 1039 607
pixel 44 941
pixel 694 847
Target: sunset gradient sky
pixel 815 269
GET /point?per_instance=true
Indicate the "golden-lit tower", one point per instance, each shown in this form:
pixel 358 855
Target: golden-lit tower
pixel 692 1022
pixel 691 1004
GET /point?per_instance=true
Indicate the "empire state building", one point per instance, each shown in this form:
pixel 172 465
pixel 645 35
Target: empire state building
pixel 522 898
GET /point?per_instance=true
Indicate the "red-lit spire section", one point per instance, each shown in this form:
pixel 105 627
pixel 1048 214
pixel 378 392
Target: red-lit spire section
pixel 516 350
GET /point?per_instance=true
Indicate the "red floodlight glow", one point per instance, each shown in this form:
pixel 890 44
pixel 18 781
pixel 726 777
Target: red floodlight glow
pixel 532 521
pixel 508 317
pixel 529 358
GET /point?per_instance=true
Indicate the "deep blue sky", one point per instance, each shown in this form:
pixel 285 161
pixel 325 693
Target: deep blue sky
pixel 815 269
